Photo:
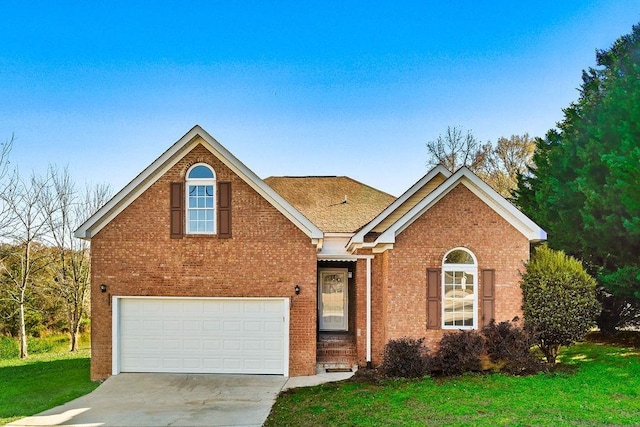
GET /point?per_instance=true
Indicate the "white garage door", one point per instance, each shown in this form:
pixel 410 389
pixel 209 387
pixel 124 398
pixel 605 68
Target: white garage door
pixel 202 335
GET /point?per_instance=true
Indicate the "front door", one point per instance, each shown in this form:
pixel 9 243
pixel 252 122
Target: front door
pixel 332 299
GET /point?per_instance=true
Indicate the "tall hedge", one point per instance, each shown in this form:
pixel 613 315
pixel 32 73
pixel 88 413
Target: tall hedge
pixel 559 300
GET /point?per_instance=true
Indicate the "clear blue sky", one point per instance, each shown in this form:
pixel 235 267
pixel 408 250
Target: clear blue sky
pixel 291 88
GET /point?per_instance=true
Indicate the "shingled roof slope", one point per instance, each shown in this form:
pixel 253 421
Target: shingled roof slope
pixel 335 204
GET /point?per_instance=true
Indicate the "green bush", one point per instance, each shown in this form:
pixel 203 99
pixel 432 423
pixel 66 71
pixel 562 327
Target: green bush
pixel 405 358
pixel 9 348
pixel 509 347
pixel 47 344
pixel 460 352
pixel 559 300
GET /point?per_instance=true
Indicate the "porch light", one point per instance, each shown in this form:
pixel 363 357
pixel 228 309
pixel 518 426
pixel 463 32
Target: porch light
pixel 103 288
pixel 297 289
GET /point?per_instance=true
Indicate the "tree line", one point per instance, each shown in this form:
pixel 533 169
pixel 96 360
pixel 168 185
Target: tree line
pixel 44 269
pixel 581 181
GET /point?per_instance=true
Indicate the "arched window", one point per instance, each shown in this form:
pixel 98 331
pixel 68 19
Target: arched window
pixel 201 199
pixel 459 290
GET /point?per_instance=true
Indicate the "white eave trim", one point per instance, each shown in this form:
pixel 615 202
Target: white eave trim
pixel 463 176
pixel 167 160
pixel 358 239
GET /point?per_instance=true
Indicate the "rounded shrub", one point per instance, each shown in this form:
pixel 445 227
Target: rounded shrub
pixel 508 346
pixel 460 352
pixel 559 300
pixel 406 358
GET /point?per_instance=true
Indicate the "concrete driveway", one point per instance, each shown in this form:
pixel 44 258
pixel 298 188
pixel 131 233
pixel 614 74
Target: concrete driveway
pixel 169 400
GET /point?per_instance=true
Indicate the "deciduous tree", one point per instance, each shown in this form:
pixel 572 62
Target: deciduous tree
pixel 65 209
pixel 26 226
pixel 454 149
pixel 499 165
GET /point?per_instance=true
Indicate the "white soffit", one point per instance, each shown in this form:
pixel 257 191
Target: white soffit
pixel 464 176
pixel 167 160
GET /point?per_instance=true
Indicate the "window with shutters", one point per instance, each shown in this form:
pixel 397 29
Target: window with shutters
pixel 200 199
pixel 459 290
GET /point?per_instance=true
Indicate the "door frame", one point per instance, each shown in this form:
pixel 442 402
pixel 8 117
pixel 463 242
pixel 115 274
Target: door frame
pixel 345 301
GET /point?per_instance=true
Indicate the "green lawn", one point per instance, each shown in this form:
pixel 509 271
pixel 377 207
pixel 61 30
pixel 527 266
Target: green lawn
pixel 44 380
pixel 604 389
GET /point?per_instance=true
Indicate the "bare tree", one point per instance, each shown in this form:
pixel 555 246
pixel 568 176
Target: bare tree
pixel 6 180
pixel 504 162
pixel 498 166
pixel 454 149
pixel 65 209
pixel 25 227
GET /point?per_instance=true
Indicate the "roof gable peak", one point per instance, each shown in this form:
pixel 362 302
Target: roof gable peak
pixel 168 159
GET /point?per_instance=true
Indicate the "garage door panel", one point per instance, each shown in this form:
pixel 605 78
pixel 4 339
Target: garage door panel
pixel 212 364
pixel 272 327
pixel 231 307
pixel 250 326
pixel 152 306
pixel 252 345
pixel 192 363
pixel 211 325
pixel 192 345
pixel 207 335
pixel 192 326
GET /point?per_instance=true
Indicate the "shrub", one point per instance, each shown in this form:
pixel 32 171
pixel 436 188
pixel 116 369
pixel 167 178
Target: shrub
pixel 9 348
pixel 559 300
pixel 406 358
pixel 509 347
pixel 460 352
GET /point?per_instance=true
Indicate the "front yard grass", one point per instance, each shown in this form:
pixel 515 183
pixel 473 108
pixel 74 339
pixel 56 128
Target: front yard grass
pixel 602 389
pixel 44 380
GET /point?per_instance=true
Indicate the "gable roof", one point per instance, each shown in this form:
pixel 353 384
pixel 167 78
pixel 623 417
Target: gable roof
pixel 404 203
pixel 336 204
pixel 463 176
pixel 168 159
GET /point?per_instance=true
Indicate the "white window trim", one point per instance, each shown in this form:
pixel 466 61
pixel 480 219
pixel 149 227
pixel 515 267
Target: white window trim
pixel 468 268
pixel 201 181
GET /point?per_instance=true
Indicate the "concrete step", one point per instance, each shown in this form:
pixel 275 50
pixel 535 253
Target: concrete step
pixel 336 367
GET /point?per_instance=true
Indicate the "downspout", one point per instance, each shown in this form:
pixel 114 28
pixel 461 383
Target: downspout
pixel 368 312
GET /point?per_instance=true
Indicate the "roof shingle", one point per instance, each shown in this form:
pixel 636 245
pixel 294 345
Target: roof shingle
pixel 335 204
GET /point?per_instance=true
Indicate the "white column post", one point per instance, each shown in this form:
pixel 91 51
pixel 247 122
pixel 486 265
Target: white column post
pixel 368 312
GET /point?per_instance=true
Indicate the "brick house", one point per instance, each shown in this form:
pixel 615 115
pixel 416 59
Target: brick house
pixel 200 266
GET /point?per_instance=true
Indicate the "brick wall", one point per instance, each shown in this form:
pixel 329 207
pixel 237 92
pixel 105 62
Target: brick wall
pixel 459 219
pixel 266 257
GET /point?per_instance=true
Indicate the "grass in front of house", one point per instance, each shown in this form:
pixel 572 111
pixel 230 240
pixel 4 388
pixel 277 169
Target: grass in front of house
pixel 50 377
pixel 604 389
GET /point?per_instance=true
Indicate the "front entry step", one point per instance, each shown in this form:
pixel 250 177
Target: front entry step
pixel 322 368
pixel 336 353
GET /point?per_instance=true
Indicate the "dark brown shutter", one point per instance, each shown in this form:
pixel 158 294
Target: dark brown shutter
pixel 434 290
pixel 177 209
pixel 488 292
pixel 224 209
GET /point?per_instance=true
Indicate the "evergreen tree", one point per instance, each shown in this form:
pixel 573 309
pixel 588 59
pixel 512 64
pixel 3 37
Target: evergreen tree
pixel 585 186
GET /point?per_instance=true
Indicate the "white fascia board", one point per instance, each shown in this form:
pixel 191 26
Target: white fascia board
pixel 505 209
pixel 499 204
pixel 358 238
pixel 167 160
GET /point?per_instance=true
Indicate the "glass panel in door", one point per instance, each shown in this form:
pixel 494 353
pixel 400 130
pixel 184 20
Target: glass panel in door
pixel 332 300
